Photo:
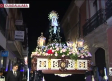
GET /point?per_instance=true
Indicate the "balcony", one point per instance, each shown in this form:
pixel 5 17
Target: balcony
pixel 13 45
pixel 101 16
pixel 108 11
pixel 96 20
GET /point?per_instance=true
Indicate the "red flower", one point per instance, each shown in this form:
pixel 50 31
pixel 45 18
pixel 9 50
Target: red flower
pixel 49 52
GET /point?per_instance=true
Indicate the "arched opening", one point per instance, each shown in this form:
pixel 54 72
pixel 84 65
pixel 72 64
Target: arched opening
pixel 100 60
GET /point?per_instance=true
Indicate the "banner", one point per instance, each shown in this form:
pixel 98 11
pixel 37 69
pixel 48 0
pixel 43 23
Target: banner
pixel 19 22
pixel 19 35
pixel 4 53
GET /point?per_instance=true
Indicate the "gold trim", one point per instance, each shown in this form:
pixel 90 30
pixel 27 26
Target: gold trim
pixel 49 63
pixel 75 64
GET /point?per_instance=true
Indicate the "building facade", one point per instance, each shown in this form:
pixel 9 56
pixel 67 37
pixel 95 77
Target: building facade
pixel 94 18
pixel 13 22
pixel 3 17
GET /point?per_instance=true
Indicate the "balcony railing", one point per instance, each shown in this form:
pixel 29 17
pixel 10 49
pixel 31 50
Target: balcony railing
pixel 108 9
pixel 10 35
pixel 96 20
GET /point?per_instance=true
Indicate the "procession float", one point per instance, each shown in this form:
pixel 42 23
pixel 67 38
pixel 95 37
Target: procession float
pixel 59 58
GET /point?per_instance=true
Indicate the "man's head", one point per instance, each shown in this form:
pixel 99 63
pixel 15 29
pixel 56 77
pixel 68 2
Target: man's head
pixel 15 67
pixel 1 73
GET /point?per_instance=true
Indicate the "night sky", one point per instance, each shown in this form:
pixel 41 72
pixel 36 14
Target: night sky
pixel 36 19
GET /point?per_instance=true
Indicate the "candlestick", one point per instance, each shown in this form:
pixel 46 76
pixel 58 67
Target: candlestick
pixel 105 77
pixel 43 78
pixel 93 78
pixel 105 71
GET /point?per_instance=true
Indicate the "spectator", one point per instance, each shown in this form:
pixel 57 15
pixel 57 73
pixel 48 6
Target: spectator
pixel 13 75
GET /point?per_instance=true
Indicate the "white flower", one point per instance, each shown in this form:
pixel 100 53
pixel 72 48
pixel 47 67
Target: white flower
pixel 38 55
pixel 86 56
pixel 47 54
pixel 63 55
pixel 70 52
pixel 56 46
pixel 57 49
pixel 53 50
pixel 82 56
pixel 60 51
pixel 56 54
pixel 52 44
pixel 63 50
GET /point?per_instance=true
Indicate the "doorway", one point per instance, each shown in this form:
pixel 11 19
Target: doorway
pixel 100 60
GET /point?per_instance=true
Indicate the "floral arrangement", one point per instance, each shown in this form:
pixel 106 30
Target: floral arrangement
pixel 60 50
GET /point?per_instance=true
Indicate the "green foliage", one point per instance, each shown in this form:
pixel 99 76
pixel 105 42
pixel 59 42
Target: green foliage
pixel 74 57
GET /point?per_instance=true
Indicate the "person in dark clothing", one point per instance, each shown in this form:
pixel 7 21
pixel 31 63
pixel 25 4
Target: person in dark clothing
pixel 3 70
pixel 31 75
pixel 37 75
pixel 13 75
pixel 1 74
pixel 2 78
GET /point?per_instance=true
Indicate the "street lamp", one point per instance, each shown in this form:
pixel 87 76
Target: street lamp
pixel 80 44
pixel 41 40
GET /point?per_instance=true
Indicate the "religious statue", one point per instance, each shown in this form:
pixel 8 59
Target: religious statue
pixel 55 29
pixel 41 40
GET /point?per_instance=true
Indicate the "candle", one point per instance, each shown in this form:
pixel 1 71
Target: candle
pixel 105 77
pixel 93 78
pixel 43 78
pixel 105 71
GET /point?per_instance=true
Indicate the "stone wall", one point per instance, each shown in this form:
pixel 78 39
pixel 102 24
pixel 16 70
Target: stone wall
pixel 69 25
pixel 98 39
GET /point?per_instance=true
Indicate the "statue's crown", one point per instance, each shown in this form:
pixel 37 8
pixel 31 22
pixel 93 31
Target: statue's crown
pixel 53 14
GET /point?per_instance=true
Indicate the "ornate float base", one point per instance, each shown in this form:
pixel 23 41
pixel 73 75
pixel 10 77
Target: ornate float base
pixel 60 66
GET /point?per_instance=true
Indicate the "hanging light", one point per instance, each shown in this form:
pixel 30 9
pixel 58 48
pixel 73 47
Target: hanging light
pixel 41 40
pixel 80 44
pixel 69 44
